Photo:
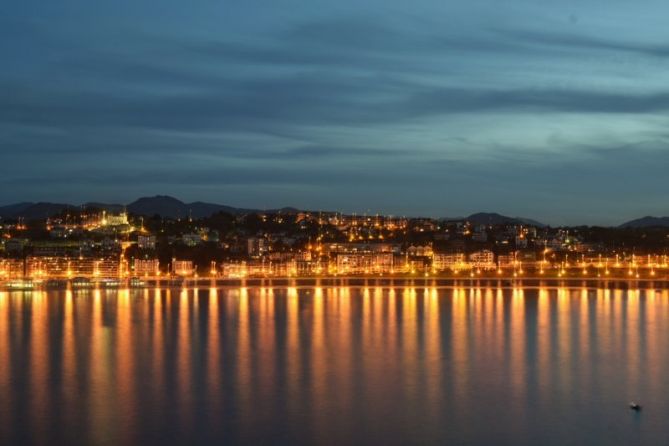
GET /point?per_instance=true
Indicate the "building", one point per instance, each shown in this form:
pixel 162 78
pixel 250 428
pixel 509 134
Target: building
pixel 480 236
pixel 420 251
pixel 521 241
pixel 364 263
pixel 12 268
pixel 146 242
pixel 183 268
pixel 256 247
pixel 191 239
pixel 146 267
pixel 444 261
pixel 507 260
pixel 120 219
pixel 484 259
pixel 234 270
pixel 15 245
pixel 60 267
pixel 343 248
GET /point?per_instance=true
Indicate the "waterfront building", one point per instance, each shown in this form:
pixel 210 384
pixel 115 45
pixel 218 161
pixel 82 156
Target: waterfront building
pixel 484 259
pixel 146 267
pixel 445 261
pixel 234 269
pixel 184 268
pixel 506 260
pixel 420 251
pixel 364 263
pixel 62 267
pixel 12 269
pixel 343 248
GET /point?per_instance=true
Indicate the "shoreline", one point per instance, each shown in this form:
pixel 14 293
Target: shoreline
pixel 369 281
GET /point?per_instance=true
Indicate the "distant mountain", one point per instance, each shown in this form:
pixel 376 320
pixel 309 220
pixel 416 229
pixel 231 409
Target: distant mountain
pixel 647 222
pixel 492 218
pixel 531 222
pixel 33 210
pixel 11 210
pixel 171 207
pixel 201 209
pixel 162 205
pixel 105 206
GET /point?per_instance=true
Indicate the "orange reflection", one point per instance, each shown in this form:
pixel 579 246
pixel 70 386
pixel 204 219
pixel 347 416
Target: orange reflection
pixel 6 401
pixel 39 357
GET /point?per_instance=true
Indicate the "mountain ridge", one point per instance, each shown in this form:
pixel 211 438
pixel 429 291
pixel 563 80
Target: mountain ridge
pixel 170 207
pixel 647 222
pixel 163 205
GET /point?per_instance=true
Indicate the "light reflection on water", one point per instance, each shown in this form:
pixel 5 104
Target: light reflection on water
pixel 334 366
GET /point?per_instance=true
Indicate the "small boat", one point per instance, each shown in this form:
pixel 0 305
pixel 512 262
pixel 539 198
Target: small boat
pixel 109 283
pixel 81 282
pixel 136 282
pixel 634 406
pixel 20 285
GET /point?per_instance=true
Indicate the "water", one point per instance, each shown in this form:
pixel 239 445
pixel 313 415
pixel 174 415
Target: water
pixel 334 366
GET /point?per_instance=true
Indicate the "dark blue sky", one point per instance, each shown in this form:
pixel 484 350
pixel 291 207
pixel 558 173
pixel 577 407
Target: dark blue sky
pixel 545 109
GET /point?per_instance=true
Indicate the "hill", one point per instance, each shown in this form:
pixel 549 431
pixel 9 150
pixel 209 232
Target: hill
pixel 493 218
pixel 647 222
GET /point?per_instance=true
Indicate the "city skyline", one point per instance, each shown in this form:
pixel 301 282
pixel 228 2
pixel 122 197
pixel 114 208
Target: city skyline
pixel 551 112
pixel 169 206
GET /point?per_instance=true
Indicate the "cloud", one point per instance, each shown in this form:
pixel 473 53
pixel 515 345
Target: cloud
pixel 348 109
pixel 583 43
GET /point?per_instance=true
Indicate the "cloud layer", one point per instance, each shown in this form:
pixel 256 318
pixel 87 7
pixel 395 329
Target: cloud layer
pixel 557 113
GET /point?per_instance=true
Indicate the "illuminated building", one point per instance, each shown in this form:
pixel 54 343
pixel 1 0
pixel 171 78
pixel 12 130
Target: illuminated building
pixel 420 251
pixel 191 239
pixel 444 261
pixel 183 268
pixel 484 259
pixel 506 260
pixel 42 267
pixel 11 269
pixel 120 219
pixel 146 267
pixel 364 263
pixel 146 242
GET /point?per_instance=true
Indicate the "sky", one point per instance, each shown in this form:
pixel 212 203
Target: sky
pixel 543 109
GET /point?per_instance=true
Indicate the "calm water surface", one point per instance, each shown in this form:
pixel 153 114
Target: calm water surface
pixel 334 366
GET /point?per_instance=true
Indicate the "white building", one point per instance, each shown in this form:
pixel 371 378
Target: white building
pixel 183 268
pixel 364 263
pixel 114 219
pixel 442 262
pixel 420 251
pixel 146 267
pixel 484 259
